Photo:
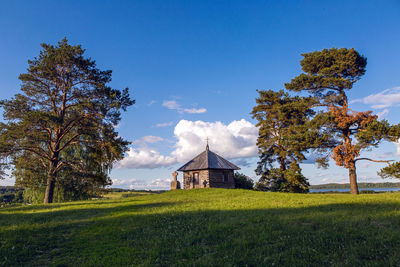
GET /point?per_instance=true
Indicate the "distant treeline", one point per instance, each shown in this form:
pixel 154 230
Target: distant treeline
pixel 360 185
pixel 134 190
pixel 10 194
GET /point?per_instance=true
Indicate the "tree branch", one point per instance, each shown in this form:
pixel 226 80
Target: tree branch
pixel 373 160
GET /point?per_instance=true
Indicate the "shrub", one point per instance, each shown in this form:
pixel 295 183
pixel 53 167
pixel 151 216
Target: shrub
pixel 290 180
pixel 243 181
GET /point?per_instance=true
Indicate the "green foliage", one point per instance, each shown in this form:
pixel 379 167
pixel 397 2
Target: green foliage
pixel 62 124
pixel 328 70
pixel 391 171
pixel 10 194
pixel 290 180
pixel 328 74
pixel 283 123
pixel 296 182
pixel 206 227
pixel 35 195
pixel 286 132
pixel 243 181
pixel 272 180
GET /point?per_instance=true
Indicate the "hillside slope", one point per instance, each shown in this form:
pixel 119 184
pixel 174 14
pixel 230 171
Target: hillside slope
pixel 206 227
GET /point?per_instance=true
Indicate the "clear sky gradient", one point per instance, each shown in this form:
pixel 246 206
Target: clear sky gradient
pixel 194 67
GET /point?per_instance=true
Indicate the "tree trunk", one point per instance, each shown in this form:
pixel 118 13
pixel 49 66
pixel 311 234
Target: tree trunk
pixel 282 167
pixel 51 182
pixel 353 178
pixel 48 196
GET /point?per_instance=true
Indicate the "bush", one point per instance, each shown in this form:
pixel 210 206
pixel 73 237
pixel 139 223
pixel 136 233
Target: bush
pixel 290 180
pixel 243 181
pixel 10 194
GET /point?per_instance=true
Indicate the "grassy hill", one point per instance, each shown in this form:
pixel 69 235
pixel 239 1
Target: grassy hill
pixel 205 227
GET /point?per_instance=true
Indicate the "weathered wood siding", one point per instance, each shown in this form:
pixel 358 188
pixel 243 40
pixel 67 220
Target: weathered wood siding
pixel 221 179
pixel 214 178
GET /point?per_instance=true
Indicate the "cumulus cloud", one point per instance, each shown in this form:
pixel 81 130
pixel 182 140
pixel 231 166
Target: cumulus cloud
pixel 138 184
pixel 159 184
pixel 125 182
pixel 145 158
pixel 172 104
pixel 233 141
pixel 386 98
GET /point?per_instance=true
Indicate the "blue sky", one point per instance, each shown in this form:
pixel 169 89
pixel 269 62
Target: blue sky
pixel 194 67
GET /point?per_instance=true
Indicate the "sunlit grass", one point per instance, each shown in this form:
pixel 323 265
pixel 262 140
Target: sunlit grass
pixel 205 227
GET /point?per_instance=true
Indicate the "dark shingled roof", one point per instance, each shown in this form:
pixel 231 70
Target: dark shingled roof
pixel 208 160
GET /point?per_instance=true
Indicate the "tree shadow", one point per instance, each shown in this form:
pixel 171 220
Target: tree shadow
pixel 54 206
pixel 162 234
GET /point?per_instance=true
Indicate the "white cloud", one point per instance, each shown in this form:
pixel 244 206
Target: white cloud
pixel 243 162
pixel 386 98
pixel 386 155
pixel 145 158
pixel 195 110
pixel 311 159
pixel 157 184
pixel 172 104
pixel 235 140
pixel 151 139
pixel 164 124
pixel 124 182
pixel 151 103
pixel 382 114
pixel 398 147
pixel 366 165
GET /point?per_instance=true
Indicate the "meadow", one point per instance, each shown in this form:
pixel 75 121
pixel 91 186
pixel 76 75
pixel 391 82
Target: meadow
pixel 203 227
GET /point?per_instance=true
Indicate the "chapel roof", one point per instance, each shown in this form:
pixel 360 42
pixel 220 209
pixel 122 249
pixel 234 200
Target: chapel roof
pixel 208 160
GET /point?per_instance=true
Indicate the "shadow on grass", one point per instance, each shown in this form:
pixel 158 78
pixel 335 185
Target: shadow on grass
pixel 334 234
pixel 64 217
pixel 35 207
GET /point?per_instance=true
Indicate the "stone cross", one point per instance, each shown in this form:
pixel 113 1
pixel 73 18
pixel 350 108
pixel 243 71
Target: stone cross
pixel 175 174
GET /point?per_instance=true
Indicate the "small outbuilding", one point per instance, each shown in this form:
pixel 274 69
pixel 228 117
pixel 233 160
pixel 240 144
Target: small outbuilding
pixel 208 170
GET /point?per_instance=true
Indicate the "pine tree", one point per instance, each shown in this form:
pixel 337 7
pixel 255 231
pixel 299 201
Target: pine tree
pixel 285 134
pixel 328 75
pixel 65 106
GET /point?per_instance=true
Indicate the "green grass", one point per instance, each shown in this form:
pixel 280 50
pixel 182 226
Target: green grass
pixel 205 227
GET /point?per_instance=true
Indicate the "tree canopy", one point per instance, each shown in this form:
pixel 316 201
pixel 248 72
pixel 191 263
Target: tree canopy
pixel 327 75
pixel 64 118
pixel 285 134
pixel 243 181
